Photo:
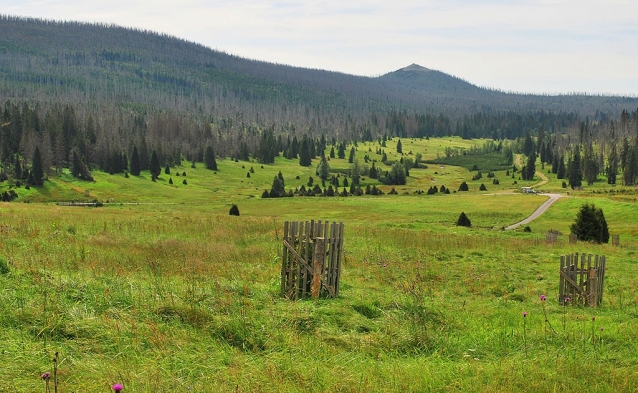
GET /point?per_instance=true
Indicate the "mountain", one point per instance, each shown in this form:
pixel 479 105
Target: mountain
pixel 101 90
pixel 72 61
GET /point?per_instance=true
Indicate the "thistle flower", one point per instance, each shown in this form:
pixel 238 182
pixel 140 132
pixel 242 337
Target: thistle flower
pixel 118 387
pixel 524 314
pixel 46 376
pixel 543 298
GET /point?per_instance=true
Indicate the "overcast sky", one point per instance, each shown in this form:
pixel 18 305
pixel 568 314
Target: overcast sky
pixel 544 46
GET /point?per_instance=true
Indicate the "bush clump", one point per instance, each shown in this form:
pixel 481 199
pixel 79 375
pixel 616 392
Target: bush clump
pixel 463 221
pixel 590 224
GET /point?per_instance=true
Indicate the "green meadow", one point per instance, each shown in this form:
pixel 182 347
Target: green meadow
pixel 161 290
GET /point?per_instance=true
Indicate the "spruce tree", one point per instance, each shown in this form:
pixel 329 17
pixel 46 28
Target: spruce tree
pixel 575 173
pixel 351 157
pixel 530 168
pixel 399 147
pixel 304 153
pixel 323 169
pixel 79 168
pixel 37 172
pixel 135 162
pixel 463 221
pixel 630 171
pixel 155 167
pixel 209 159
pixel 590 224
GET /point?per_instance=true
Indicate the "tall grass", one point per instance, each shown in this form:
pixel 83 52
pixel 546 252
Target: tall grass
pixel 177 297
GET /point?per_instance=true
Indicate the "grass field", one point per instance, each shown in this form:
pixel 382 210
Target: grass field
pixel 161 290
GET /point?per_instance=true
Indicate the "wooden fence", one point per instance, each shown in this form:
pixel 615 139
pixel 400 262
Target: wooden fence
pixel 311 263
pixel 582 284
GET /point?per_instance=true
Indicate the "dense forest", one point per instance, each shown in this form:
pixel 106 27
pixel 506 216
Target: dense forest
pixel 86 96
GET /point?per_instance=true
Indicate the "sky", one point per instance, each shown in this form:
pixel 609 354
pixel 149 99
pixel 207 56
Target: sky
pixel 542 46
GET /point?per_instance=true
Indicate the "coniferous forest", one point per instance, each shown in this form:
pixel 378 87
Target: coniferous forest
pixel 96 97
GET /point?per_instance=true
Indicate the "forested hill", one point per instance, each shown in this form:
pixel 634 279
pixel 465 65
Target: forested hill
pixel 101 90
pixel 92 63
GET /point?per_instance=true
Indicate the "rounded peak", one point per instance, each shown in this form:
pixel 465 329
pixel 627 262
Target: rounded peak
pixel 415 67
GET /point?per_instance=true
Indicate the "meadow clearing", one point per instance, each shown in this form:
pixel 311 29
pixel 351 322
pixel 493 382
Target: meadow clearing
pixel 161 290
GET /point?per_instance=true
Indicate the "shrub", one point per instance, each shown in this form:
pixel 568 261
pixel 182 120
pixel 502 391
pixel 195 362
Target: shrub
pixel 170 181
pixel 4 267
pixel 234 210
pixel 590 224
pixel 482 187
pixel 464 187
pixel 463 221
pixel 184 182
pixel 527 229
pixel 265 194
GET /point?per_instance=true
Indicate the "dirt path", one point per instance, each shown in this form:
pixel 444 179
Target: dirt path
pixel 544 178
pixel 541 209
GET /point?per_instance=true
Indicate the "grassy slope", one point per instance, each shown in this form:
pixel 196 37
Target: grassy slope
pixel 177 294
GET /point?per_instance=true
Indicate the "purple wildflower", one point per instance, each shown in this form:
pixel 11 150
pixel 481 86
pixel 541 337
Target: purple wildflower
pixel 46 376
pixel 524 314
pixel 567 299
pixel 602 328
pixel 543 298
pixel 118 387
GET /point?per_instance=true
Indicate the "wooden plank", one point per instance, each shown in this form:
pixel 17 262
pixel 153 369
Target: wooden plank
pixel 306 256
pixel 339 255
pixel 296 240
pixel 561 281
pixel 317 265
pixel 334 252
pixel 295 256
pixel 284 266
pixel 601 278
pixel 574 285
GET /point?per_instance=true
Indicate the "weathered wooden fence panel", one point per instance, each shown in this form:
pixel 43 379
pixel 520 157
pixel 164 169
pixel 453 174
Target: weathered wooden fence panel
pixel 311 262
pixel 551 237
pixel 581 280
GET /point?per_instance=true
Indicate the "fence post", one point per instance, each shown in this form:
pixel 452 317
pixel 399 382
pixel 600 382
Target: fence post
pixel 317 266
pixel 592 286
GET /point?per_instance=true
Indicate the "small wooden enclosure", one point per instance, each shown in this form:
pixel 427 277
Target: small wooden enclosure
pixel 581 282
pixel 311 262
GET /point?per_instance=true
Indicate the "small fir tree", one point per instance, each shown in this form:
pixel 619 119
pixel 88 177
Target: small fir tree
pixel 463 221
pixel 590 224
pixel 155 167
